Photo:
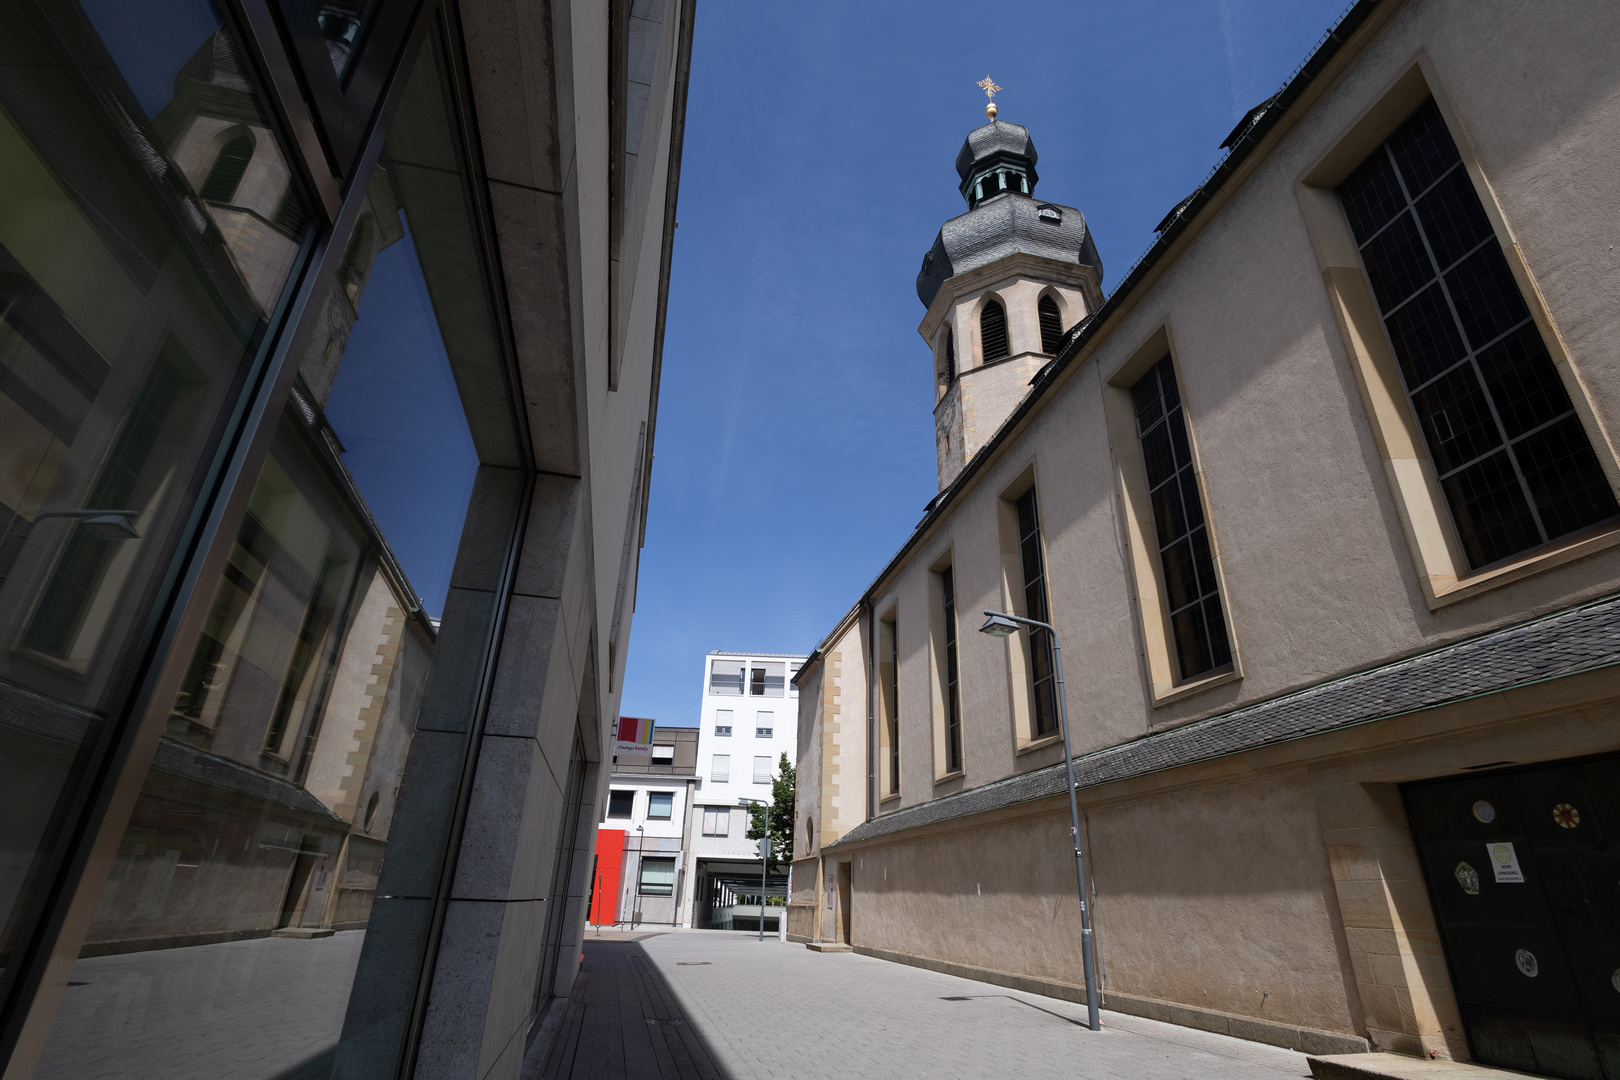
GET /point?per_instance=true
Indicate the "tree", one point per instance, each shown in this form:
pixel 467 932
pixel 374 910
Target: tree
pixel 776 819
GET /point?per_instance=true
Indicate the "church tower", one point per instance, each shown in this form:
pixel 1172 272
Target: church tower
pixel 1002 284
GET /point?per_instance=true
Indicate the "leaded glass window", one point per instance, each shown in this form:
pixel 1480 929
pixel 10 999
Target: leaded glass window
pixel 1043 683
pixel 953 690
pixel 1192 594
pixel 1512 457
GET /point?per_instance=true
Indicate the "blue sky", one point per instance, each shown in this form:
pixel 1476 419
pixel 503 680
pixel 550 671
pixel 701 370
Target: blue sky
pixel 795 432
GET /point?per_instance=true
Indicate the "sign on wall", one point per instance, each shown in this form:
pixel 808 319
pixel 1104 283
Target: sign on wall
pixel 634 736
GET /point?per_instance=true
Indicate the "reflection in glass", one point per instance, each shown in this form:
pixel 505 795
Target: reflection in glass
pixel 251 864
pixel 130 296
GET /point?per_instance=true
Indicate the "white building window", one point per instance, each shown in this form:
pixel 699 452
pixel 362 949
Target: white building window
pixel 664 754
pixel 660 805
pixel 764 723
pixel 621 803
pixel 657 877
pixel 762 769
pixel 726 678
pixel 720 768
pixel 716 821
pixel 722 722
pixel 793 673
pixel 767 679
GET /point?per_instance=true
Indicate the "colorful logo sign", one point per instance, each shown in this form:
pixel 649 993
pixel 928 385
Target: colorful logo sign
pixel 634 736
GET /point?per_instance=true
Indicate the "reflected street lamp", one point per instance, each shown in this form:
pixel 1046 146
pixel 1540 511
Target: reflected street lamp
pixel 1001 625
pixel 764 858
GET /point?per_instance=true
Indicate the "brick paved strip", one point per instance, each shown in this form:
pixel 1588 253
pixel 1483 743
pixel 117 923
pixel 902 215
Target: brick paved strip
pixel 623 1022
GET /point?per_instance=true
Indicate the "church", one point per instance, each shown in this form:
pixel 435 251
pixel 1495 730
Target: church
pixel 1318 505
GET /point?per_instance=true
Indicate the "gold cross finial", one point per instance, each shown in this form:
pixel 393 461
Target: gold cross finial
pixel 988 85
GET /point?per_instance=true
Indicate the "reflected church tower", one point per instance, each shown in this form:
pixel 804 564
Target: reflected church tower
pixel 219 140
pixel 1003 283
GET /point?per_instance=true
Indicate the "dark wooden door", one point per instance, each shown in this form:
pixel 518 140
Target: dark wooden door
pixel 844 904
pixel 1524 870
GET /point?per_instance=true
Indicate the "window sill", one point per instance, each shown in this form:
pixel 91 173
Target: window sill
pixel 1041 743
pixel 1198 686
pixel 895 798
pixel 1585 543
pixel 948 777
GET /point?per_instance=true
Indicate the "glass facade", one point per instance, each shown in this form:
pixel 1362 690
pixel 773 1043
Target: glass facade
pixel 155 233
pixel 146 240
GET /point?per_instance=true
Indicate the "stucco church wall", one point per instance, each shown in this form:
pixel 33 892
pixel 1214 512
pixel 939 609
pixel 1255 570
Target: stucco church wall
pixel 1217 897
pixel 1232 894
pixel 1316 571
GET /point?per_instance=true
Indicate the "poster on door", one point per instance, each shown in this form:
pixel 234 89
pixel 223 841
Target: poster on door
pixel 1505 863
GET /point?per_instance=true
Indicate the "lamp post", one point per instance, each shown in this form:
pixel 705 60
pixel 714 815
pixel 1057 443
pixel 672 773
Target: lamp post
pixel 641 858
pixel 764 859
pixel 999 624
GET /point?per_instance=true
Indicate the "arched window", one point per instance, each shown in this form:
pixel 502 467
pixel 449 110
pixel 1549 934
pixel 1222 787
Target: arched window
pixel 993 331
pixel 947 362
pixel 226 175
pixel 1051 325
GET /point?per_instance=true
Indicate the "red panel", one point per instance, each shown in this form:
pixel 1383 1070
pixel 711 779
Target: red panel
pixel 605 889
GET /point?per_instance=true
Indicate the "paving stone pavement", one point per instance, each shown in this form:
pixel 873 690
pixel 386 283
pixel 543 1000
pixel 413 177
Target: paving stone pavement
pixel 777 1010
pixel 238 1010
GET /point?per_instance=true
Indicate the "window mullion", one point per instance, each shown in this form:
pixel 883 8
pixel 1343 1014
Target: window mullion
pixel 1472 354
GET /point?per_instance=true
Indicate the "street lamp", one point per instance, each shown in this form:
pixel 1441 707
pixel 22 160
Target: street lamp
pixel 764 858
pixel 1000 625
pixel 641 860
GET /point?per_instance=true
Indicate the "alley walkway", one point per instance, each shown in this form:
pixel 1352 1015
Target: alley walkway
pixel 713 1005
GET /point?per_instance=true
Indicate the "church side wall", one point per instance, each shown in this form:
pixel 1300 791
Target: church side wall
pixel 1279 893
pixel 1219 897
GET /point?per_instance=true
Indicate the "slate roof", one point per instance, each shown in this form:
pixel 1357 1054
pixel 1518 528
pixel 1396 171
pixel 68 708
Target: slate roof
pixel 999 227
pixel 996 137
pixel 1580 639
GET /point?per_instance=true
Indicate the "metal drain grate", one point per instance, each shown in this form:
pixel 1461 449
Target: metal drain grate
pixel 692 963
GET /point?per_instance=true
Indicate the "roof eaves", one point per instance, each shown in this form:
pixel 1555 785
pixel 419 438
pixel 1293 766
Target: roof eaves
pixel 1590 631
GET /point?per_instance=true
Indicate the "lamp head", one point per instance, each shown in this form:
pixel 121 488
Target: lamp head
pixel 998 626
pixel 110 527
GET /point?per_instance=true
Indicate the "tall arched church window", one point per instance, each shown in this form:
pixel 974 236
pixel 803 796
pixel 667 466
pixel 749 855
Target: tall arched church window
pixel 226 175
pixel 993 331
pixel 947 363
pixel 1051 326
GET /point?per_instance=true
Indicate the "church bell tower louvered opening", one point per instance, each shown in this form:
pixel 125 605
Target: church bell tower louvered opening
pixel 993 332
pixel 1003 281
pixel 1051 325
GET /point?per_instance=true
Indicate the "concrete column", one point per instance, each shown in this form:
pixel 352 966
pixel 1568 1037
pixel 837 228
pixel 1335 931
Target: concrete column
pixel 490 955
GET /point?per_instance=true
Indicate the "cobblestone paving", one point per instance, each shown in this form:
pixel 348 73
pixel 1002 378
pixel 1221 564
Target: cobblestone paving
pixel 778 1010
pixel 239 1010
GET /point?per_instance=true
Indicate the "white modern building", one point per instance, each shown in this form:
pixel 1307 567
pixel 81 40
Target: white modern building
pixel 748 720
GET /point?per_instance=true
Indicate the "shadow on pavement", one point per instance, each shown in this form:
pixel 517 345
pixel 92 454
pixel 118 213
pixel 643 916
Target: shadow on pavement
pixel 622 1020
pixel 1021 1001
